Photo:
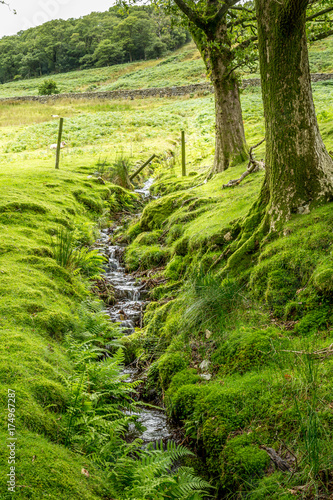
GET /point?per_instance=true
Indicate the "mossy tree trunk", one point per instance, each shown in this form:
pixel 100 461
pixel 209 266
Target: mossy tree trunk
pixel 299 171
pixel 230 143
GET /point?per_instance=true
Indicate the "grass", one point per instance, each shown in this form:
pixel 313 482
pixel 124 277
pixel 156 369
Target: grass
pixel 39 297
pixel 183 67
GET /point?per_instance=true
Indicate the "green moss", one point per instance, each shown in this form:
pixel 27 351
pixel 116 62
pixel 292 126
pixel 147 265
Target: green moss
pixel 176 267
pixel 157 212
pixel 169 364
pixel 148 238
pixel 323 278
pixel 243 463
pixel 145 257
pixel 245 350
pixel 132 345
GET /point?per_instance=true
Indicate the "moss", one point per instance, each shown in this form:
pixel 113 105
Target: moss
pixel 21 206
pixel 181 246
pixel 168 365
pixel 133 231
pixel 89 201
pixel 157 212
pixel 323 278
pixel 145 257
pixel 174 233
pixel 245 350
pixel 56 323
pixel 133 346
pixel 242 462
pixel 314 321
pixel 148 238
pixel 50 395
pixel 176 267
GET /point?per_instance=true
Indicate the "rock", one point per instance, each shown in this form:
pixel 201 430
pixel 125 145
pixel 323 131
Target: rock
pixel 208 334
pixel 204 365
pixel 227 236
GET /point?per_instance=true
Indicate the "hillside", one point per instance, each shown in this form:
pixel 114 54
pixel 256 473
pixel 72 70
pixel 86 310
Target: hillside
pixel 239 358
pixel 183 67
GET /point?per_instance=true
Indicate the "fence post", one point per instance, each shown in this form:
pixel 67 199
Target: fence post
pixel 183 154
pixel 59 143
pixel 142 167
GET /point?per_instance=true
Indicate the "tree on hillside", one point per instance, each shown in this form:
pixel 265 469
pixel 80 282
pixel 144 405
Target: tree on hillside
pixel 299 170
pixel 212 25
pixel 226 35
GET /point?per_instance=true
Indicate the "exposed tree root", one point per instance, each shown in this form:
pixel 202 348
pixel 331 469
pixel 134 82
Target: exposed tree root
pixel 253 166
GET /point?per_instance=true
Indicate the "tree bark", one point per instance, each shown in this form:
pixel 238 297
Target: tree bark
pixel 299 170
pixel 215 48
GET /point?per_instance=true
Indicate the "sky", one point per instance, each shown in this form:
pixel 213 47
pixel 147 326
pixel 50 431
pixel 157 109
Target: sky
pixel 35 12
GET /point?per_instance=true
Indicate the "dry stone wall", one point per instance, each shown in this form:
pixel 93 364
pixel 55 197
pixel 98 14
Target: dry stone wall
pixel 195 89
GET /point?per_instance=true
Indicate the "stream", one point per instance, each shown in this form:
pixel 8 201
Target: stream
pixel 131 300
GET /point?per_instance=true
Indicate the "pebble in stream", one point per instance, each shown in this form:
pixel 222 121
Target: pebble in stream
pixel 128 312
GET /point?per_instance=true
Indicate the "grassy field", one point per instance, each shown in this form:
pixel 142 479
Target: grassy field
pixel 41 302
pixel 183 67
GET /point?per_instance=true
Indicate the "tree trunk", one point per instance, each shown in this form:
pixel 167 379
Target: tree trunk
pixel 230 143
pixel 299 171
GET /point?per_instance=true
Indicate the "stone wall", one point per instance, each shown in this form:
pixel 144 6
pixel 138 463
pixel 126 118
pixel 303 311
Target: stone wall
pixel 195 89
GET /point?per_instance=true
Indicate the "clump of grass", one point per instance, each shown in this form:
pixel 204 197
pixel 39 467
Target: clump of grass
pixel 83 260
pixel 119 172
pixel 208 302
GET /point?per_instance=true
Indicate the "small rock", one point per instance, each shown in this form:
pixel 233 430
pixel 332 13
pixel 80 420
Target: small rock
pixel 208 334
pixel 204 365
pixel 227 236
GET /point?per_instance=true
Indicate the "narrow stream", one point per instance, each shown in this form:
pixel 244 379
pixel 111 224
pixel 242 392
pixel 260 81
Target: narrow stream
pixel 131 300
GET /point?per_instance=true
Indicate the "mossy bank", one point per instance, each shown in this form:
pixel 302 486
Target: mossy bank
pixel 42 301
pixel 241 359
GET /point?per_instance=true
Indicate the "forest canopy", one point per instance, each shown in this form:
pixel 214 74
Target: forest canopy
pixel 95 40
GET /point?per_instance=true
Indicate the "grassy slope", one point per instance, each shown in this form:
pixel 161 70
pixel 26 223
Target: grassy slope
pixel 38 303
pixel 279 300
pixel 180 68
pixel 38 298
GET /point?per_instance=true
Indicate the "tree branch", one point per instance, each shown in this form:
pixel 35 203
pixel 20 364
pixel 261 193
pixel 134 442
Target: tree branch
pixel 240 21
pixel 191 14
pixel 320 36
pixel 320 13
pixel 245 43
pixel 223 10
pixel 253 166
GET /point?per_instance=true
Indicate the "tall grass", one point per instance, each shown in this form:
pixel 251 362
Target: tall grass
pixel 208 302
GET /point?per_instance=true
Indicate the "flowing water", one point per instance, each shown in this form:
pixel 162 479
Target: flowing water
pixel 131 300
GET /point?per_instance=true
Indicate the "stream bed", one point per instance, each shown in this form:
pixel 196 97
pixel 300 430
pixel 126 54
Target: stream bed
pixel 131 300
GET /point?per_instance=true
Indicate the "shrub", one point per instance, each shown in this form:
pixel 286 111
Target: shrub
pixel 48 87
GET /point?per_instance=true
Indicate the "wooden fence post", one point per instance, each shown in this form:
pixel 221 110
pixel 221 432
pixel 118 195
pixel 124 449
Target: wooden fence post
pixel 141 168
pixel 59 143
pixel 183 154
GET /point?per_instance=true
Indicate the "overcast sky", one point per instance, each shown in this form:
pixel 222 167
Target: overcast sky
pixel 34 12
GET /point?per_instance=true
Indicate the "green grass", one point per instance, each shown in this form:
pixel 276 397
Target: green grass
pixel 183 67
pixel 185 229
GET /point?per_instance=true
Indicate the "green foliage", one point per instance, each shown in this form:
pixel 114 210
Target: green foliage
pixel 207 302
pixel 145 257
pixel 98 39
pixel 245 350
pixel 169 365
pixel 48 87
pixel 149 478
pixel 243 462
